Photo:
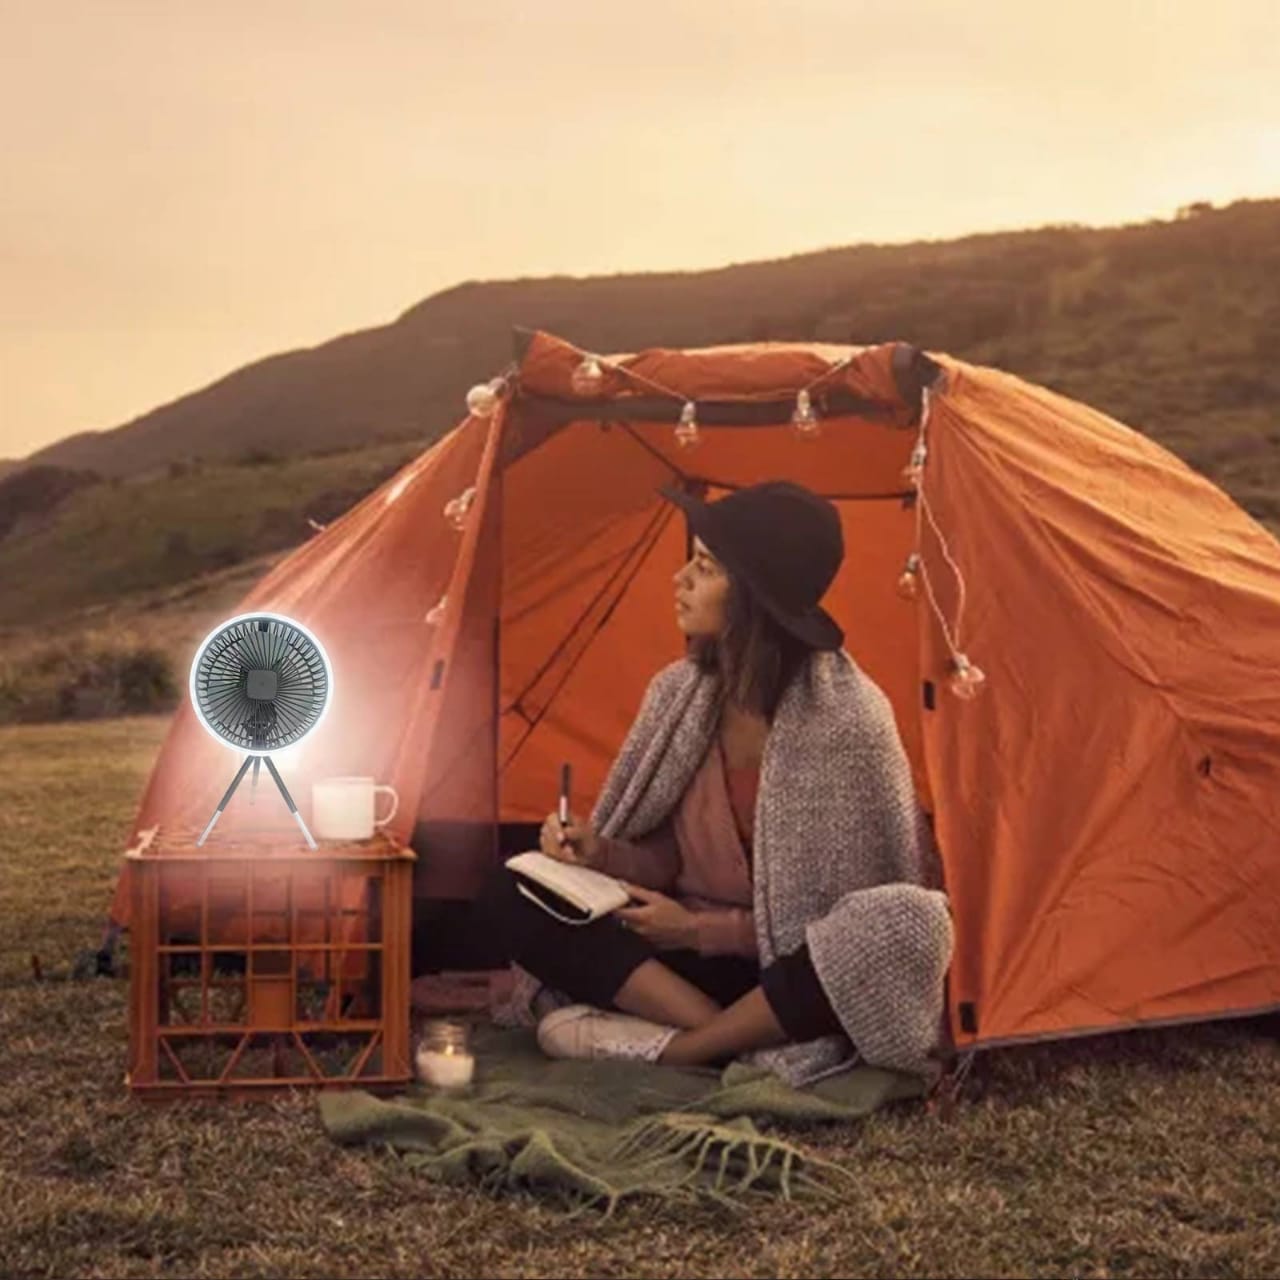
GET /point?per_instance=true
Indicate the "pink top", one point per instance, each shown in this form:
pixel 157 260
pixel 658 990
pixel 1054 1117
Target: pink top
pixel 702 855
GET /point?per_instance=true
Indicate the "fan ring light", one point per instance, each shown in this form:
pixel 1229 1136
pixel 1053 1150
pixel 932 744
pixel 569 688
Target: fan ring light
pixel 287 650
pixel 260 682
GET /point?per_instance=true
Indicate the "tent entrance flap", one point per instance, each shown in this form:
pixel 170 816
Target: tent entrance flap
pixel 537 697
pixel 589 549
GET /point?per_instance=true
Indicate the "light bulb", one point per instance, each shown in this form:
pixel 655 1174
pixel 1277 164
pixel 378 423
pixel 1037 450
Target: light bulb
pixel 455 510
pixel 803 420
pixel 587 377
pixel 967 680
pixel 687 429
pixel 909 583
pixel 913 472
pixel 482 399
pixel 435 615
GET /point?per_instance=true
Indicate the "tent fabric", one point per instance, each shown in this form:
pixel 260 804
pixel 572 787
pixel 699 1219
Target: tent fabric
pixel 1107 810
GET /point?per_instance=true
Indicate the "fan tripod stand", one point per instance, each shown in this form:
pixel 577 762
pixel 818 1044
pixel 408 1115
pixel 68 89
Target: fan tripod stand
pixel 235 782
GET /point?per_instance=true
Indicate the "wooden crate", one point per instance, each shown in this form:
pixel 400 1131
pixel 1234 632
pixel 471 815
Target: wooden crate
pixel 256 968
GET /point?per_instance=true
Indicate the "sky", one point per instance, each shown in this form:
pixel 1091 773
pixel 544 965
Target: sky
pixel 187 187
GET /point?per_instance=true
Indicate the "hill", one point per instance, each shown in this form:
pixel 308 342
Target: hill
pixel 1157 324
pixel 1173 327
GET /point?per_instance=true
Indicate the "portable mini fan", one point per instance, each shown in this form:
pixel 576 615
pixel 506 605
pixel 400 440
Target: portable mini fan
pixel 260 682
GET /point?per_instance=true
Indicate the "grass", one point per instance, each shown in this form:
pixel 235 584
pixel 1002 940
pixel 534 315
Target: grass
pixel 158 529
pixel 1151 1153
pixel 75 680
pixel 168 621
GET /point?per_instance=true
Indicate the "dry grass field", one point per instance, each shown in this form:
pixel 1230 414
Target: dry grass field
pixel 1150 1153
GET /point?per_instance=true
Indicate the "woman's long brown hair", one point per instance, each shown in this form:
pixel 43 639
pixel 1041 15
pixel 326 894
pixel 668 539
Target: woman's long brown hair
pixel 755 657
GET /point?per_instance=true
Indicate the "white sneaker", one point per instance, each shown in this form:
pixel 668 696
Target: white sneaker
pixel 581 1031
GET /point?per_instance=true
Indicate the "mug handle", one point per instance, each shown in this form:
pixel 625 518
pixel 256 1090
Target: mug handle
pixel 395 804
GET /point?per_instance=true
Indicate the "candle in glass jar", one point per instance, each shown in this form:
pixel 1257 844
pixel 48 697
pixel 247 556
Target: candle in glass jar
pixel 444 1058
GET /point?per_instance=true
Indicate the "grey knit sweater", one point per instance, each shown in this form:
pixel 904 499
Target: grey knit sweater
pixel 842 852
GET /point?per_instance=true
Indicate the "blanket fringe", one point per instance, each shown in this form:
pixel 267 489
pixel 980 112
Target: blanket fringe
pixel 678 1156
pixel 727 1161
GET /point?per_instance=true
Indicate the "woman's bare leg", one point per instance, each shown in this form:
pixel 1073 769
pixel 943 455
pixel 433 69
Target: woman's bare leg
pixel 661 995
pixel 748 1023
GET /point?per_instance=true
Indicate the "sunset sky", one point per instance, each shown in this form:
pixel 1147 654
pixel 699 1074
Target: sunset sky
pixel 190 186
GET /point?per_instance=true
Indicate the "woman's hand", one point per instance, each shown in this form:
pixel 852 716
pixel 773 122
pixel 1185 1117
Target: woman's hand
pixel 659 920
pixel 574 842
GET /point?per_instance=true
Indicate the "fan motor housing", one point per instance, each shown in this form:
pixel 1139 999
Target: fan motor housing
pixel 262 685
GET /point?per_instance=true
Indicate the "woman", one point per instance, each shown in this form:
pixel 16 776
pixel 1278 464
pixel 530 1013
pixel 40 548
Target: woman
pixel 766 718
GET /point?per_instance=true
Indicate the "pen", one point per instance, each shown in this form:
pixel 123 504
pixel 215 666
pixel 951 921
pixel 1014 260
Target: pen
pixel 566 774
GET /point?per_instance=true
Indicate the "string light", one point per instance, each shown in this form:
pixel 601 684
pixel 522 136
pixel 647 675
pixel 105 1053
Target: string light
pixel 803 420
pixel 687 435
pixel 967 679
pixel 455 510
pixel 435 615
pixel 588 377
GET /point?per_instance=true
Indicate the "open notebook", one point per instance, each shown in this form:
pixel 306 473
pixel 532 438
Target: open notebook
pixel 574 895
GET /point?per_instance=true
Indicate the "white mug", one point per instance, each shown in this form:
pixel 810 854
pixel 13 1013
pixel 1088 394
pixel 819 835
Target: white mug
pixel 342 808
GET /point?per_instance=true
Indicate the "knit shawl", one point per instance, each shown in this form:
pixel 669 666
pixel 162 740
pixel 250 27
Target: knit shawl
pixel 841 856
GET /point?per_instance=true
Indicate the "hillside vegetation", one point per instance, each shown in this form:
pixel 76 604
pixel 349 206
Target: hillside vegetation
pixel 1172 327
pixel 137 533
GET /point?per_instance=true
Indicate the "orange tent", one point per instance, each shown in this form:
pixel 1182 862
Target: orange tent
pixel 1108 807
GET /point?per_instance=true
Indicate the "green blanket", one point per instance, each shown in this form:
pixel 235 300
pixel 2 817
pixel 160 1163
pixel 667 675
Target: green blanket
pixel 595 1133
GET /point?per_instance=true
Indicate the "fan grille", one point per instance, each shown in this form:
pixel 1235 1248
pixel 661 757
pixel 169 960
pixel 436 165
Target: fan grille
pixel 260 683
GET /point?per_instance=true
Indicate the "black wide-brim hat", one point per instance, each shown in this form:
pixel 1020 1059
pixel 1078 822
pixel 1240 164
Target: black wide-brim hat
pixel 783 542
